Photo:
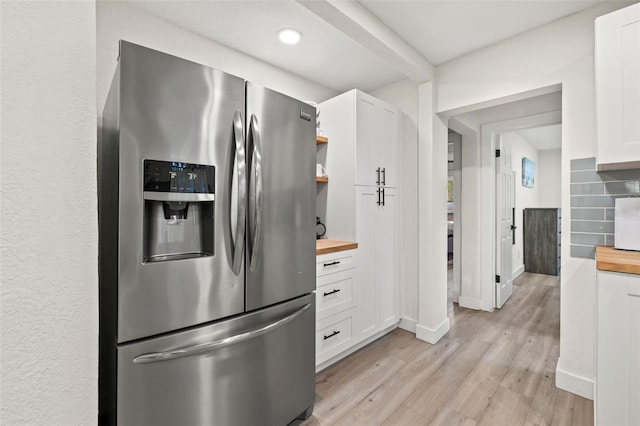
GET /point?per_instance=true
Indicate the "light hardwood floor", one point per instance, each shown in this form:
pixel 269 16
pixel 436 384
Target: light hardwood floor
pixel 490 369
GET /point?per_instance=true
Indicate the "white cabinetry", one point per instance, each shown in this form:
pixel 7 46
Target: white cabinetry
pixel 362 206
pixel 334 304
pixel 618 88
pixel 365 134
pixel 377 236
pixel 617 398
pixel 376 141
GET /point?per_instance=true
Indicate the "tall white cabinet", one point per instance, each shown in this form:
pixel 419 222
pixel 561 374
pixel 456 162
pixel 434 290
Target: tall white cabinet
pixel 617 57
pixel 362 203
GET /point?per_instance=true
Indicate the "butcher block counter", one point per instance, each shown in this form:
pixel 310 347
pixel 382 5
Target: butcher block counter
pixel 610 259
pixel 325 245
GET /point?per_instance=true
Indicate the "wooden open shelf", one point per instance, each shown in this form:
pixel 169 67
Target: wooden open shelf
pixel 322 179
pixel 321 139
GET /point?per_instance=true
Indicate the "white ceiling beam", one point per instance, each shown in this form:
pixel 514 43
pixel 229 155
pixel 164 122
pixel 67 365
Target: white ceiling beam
pixel 363 27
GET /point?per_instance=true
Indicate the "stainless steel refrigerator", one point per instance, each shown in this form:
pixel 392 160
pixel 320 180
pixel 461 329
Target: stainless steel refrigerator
pixel 206 193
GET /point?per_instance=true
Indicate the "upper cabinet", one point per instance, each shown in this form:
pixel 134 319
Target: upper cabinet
pixel 377 128
pixel 617 58
pixel 365 146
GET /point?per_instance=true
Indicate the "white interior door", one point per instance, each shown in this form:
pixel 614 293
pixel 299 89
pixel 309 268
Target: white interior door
pixel 504 222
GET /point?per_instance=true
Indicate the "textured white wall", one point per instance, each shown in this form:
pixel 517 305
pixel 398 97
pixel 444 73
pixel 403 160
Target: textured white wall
pixel 550 166
pixel 117 21
pixel 560 52
pixel 525 197
pixel 404 95
pixel 48 234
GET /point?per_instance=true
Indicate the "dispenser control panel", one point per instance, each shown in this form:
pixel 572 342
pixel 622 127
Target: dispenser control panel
pixel 175 176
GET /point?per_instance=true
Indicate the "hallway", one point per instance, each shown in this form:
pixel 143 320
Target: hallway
pixel 490 369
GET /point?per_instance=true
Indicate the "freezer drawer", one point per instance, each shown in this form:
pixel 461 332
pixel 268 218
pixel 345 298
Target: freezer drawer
pixel 254 369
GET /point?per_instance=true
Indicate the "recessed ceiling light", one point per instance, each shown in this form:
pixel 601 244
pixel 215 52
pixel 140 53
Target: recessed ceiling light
pixel 289 36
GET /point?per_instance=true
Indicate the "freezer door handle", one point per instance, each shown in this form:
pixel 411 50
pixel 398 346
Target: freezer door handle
pixel 218 344
pixel 256 196
pixel 241 212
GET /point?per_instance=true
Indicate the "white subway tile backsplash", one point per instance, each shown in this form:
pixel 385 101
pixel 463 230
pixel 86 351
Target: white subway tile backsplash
pixel 588 214
pixel 587 239
pixel 592 201
pixel 587 189
pixel 593 197
pixel 583 164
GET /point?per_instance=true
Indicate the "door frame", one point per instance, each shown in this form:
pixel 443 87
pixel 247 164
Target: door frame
pixel 457 215
pixel 488 216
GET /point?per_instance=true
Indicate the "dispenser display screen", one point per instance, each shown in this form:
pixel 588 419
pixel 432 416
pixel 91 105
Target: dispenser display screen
pixel 175 176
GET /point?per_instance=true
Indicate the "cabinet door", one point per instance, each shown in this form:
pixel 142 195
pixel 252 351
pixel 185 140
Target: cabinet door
pixel 389 119
pixel 364 283
pixel 367 135
pixel 618 88
pixel 618 349
pixel 386 260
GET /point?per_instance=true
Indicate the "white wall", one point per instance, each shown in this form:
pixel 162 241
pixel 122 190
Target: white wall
pixel 48 274
pixel 404 95
pixel 558 53
pixel 524 197
pixel 549 175
pixel 49 233
pixel 117 21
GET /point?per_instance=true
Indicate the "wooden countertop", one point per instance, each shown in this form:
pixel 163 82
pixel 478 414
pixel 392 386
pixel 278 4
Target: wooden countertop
pixel 610 259
pixel 326 245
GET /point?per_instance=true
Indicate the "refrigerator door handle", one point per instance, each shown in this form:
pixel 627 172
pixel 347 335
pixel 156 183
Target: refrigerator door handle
pixel 256 165
pixel 217 344
pixel 241 164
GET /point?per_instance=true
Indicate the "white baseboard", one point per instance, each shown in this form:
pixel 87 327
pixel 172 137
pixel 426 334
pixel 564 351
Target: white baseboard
pixel 470 303
pixel 408 324
pixel 432 335
pixel 519 270
pixel 574 383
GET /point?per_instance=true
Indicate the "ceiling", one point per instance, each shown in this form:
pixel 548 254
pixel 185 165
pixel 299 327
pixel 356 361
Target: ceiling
pixel 366 44
pixel 543 138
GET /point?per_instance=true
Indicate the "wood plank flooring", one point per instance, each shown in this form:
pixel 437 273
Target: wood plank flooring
pixel 490 369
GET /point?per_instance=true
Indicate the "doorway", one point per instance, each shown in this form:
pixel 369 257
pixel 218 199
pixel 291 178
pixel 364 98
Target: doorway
pixel 454 181
pixel 479 129
pixel 534 146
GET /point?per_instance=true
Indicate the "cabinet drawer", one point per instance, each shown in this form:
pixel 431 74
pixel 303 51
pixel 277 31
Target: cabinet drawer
pixel 333 339
pixel 334 262
pixel 334 293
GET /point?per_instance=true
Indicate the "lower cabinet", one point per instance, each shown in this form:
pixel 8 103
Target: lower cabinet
pixel 617 396
pixel 351 310
pixel 334 303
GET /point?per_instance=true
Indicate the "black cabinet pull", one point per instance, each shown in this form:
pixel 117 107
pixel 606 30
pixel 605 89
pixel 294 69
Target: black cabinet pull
pixel 379 202
pixel 335 333
pixel 337 290
pixel 383 196
pixel 384 176
pixel 332 263
pixel 378 172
